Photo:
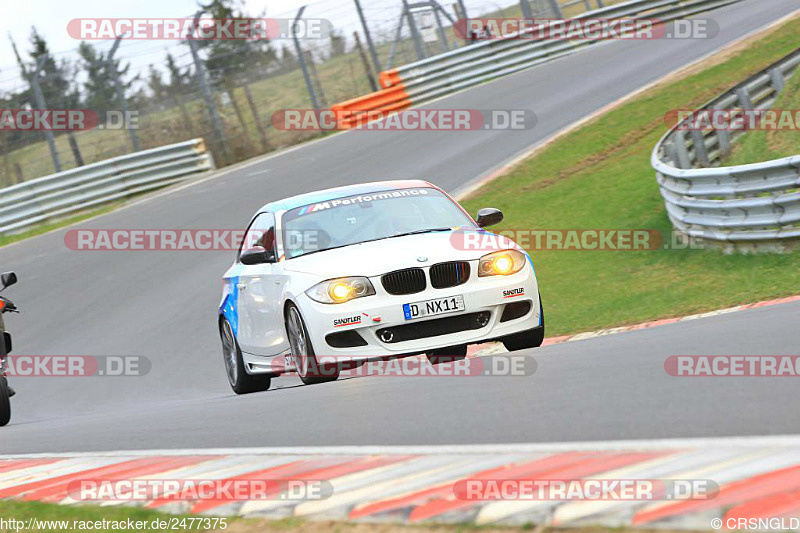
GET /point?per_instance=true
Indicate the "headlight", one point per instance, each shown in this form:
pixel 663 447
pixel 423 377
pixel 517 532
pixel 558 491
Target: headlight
pixel 502 263
pixel 340 290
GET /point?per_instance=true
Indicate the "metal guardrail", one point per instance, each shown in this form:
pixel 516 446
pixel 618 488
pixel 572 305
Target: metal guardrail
pixel 443 74
pixel 471 65
pixel 40 199
pixel 754 207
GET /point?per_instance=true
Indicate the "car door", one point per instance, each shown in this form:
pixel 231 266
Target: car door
pixel 260 320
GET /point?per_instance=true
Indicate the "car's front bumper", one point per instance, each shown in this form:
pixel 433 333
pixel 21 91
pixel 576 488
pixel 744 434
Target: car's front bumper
pixel 485 299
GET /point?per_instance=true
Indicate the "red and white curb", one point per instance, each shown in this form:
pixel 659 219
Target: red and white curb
pixel 493 347
pixel 759 478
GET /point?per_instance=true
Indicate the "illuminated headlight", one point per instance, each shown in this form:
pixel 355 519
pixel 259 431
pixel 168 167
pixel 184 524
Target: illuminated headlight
pixel 502 263
pixel 340 290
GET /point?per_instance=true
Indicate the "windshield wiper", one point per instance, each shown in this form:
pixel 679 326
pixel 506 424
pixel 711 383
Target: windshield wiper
pixel 320 250
pixel 418 232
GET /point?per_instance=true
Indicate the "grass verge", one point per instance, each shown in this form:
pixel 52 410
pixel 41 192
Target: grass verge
pixel 760 146
pixel 341 77
pixel 50 226
pixel 68 514
pixel 52 517
pixel 599 177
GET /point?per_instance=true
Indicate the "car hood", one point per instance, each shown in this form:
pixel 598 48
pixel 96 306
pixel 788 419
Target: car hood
pixel 378 257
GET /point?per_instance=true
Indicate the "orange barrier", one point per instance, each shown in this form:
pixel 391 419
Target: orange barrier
pixel 373 106
pixel 389 78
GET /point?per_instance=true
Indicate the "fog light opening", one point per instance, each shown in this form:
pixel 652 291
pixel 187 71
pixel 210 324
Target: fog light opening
pixel 482 319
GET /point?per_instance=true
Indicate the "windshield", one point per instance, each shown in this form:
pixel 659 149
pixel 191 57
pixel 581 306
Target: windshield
pixel 368 217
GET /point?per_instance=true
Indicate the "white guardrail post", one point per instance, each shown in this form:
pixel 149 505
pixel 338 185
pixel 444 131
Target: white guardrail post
pixel 41 199
pixel 753 207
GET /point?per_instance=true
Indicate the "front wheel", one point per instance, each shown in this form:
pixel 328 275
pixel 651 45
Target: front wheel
pixel 532 338
pixel 5 404
pixel 241 382
pixel 305 361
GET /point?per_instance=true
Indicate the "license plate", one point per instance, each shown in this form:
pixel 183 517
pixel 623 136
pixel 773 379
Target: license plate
pixel 438 306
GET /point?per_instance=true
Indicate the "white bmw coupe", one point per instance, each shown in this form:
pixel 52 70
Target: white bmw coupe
pixel 345 275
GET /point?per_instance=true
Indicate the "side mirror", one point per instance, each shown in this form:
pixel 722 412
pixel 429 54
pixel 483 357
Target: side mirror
pixel 8 279
pixel 256 256
pixel 489 216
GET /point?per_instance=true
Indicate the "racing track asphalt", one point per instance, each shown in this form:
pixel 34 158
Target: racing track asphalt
pixel 162 305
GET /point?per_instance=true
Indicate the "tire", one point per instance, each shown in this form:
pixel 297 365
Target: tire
pixel 447 355
pixel 240 381
pixel 305 360
pixel 5 404
pixel 531 338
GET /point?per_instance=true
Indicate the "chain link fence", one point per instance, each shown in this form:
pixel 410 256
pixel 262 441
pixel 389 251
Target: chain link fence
pixel 224 91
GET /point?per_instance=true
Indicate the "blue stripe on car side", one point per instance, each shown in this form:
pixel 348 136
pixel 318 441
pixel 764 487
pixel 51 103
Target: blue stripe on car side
pixel 229 304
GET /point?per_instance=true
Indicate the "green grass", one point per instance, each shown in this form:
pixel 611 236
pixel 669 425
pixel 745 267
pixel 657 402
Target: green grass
pixel 342 78
pixel 50 226
pixel 23 511
pixel 599 177
pixel 760 146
